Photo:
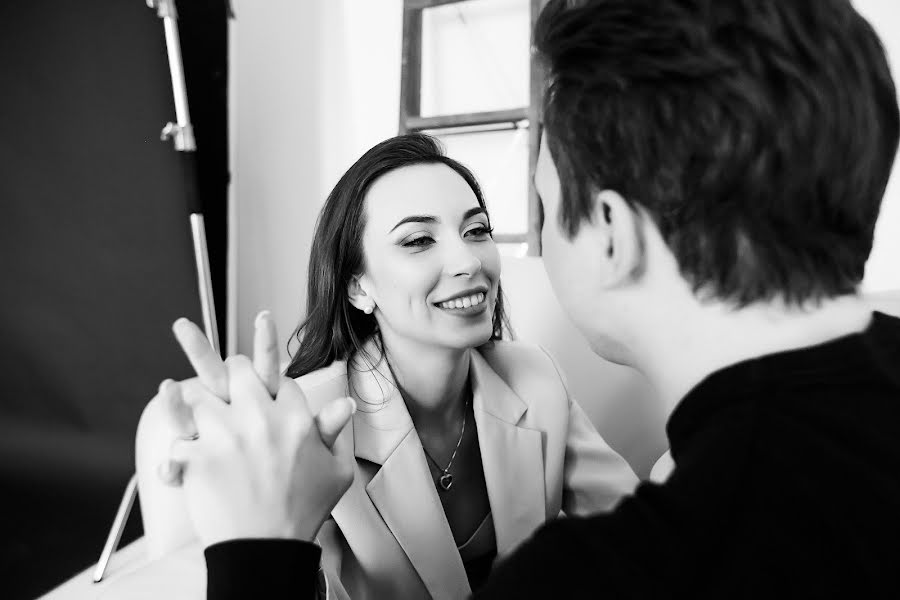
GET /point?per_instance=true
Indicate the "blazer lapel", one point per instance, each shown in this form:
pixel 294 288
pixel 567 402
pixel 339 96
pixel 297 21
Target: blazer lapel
pixel 402 491
pixel 512 457
pixel 404 494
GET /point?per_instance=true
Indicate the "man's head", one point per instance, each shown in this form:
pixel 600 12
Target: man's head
pixel 743 145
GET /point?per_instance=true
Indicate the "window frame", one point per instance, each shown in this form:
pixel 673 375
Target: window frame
pixel 410 119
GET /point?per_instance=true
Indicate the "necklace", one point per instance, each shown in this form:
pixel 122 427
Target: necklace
pixel 446 479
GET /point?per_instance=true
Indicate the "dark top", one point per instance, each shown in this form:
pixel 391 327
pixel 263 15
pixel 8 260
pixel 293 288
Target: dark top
pixel 478 553
pixel 787 485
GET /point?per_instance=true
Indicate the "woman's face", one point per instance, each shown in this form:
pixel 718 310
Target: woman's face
pixel 431 266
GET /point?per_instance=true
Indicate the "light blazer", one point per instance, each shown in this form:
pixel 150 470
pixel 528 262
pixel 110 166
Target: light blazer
pixel 388 536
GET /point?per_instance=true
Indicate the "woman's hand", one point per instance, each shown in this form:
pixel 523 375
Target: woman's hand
pixel 212 374
pixel 258 467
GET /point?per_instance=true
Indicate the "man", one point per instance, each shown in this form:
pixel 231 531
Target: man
pixel 711 172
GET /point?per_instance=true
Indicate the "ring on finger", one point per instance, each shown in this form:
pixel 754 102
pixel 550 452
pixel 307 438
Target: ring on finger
pixel 170 471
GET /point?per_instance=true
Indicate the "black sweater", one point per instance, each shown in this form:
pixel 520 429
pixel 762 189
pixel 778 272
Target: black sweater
pixel 787 485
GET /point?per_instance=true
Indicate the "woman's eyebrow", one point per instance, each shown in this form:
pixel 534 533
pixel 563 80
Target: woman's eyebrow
pixel 430 219
pixel 416 219
pixel 472 212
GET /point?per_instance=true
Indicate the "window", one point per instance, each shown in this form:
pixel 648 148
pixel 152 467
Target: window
pixel 468 79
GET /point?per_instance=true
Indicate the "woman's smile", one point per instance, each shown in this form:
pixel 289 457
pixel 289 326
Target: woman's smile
pixel 465 306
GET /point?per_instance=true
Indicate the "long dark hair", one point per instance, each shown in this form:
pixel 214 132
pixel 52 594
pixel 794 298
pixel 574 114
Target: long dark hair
pixel 333 329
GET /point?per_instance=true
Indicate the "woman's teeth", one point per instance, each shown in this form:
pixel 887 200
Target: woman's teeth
pixel 466 302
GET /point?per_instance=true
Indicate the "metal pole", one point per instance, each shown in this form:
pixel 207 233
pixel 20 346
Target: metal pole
pixel 182 134
pixel 204 279
pixel 118 527
pixel 181 131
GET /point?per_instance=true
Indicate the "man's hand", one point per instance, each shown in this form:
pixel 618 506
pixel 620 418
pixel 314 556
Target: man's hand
pixel 258 467
pixel 212 374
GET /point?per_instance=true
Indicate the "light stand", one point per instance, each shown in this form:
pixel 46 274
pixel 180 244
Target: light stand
pixel 182 134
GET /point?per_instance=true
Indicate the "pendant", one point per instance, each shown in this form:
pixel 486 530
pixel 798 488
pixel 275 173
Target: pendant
pixel 446 480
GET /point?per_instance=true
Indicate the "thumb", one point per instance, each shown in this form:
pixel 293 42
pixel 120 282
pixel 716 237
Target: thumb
pixel 333 417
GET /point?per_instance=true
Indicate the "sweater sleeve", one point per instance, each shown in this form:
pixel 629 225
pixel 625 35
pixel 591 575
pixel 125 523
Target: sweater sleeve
pixel 262 568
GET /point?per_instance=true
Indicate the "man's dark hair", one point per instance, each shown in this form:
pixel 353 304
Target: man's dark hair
pixel 758 134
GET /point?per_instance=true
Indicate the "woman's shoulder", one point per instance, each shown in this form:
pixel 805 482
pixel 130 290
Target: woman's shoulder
pixel 325 384
pixel 517 356
pixel 525 367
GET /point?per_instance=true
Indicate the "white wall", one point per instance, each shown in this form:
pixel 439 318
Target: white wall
pixel 313 85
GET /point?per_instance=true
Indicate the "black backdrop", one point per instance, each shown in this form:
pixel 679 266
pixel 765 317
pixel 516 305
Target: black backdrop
pixel 95 258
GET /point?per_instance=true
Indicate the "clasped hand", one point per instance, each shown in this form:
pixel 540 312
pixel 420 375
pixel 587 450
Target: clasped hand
pixel 252 459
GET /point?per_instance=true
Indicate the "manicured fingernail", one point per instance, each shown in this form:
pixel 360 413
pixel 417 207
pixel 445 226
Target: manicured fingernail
pixel 261 317
pixel 164 386
pixel 179 324
pixel 352 405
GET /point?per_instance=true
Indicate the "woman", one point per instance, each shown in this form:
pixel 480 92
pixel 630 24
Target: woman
pixel 464 443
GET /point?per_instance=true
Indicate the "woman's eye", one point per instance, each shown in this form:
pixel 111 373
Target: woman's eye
pixel 418 242
pixel 480 231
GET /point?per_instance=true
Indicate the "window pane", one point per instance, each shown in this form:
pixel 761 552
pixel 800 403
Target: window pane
pixel 475 56
pixel 499 160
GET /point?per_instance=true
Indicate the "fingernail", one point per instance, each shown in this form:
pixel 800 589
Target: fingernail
pixel 179 323
pixel 352 405
pixel 261 317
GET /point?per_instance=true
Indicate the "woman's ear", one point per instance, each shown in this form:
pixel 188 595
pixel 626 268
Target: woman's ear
pixel 358 296
pixel 619 230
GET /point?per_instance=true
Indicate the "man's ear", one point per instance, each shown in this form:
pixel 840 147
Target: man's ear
pixel 620 233
pixel 359 298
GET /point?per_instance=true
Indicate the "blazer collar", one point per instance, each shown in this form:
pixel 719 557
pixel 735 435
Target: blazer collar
pixel 403 492
pixel 492 395
pixel 383 421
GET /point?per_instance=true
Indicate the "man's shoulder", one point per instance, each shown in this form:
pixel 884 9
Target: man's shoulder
pixel 630 552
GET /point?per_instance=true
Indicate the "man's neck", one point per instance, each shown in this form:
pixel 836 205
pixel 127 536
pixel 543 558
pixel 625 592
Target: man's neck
pixel 714 336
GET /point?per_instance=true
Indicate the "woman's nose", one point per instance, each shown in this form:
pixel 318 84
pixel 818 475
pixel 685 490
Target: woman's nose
pixel 461 260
